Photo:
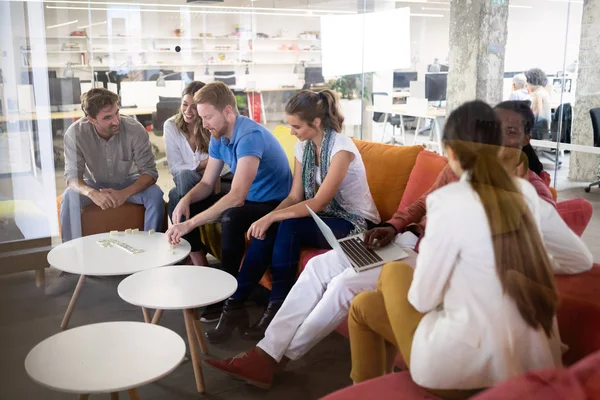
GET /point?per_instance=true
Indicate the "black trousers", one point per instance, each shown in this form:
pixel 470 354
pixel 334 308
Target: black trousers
pixel 234 225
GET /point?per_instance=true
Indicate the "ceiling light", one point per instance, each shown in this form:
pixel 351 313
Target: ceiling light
pixel 180 8
pixel 435 8
pixel 246 11
pixel 427 15
pixel 444 3
pixel 63 24
pixel 95 24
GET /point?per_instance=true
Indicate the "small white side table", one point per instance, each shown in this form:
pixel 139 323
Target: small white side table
pixel 84 256
pixel 180 288
pixel 105 358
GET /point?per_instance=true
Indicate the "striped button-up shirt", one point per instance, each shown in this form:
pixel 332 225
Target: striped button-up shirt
pixel 113 161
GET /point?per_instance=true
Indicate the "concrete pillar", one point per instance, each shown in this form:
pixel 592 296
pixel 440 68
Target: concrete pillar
pixel 584 166
pixel 478 32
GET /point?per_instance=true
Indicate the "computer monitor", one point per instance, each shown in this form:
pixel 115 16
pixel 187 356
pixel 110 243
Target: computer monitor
pixel 64 91
pixel 227 77
pixel 27 76
pixel 313 76
pixel 435 86
pixel 402 80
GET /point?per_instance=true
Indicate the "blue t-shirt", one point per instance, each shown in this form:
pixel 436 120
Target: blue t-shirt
pixel 273 179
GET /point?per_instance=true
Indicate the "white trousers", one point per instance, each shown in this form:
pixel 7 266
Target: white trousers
pixel 316 305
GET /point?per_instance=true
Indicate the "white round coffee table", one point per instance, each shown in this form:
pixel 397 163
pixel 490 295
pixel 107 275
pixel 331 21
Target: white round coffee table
pixel 105 358
pixel 86 256
pixel 180 288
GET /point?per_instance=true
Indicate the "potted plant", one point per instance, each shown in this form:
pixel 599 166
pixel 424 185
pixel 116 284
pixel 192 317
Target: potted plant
pixel 349 88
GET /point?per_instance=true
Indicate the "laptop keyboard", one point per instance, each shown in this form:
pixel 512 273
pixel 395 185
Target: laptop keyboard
pixel 359 253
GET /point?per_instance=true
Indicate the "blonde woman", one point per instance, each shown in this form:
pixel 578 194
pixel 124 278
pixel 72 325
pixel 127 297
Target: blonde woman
pixel 186 143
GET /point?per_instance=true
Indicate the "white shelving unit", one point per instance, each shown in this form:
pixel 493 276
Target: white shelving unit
pixel 118 49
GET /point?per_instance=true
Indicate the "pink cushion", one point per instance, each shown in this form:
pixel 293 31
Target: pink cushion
pixel 576 213
pixel 423 175
pixel 390 387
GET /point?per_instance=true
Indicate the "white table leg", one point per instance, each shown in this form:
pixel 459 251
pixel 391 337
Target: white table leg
pixel 157 316
pixel 193 345
pixel 146 314
pixel 71 307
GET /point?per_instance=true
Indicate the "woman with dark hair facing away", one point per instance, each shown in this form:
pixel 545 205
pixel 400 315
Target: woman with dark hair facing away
pixel 186 144
pixel 540 101
pixel 456 336
pixel 330 178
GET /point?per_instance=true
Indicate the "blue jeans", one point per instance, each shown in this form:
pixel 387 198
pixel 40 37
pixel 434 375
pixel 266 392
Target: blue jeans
pixel 73 202
pixel 184 182
pixel 281 250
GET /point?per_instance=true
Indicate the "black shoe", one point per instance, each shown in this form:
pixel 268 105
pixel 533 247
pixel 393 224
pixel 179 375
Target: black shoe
pixel 233 316
pixel 211 313
pixel 257 331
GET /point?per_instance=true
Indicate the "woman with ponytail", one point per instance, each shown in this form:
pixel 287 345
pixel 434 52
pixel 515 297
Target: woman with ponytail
pixel 480 306
pixel 330 178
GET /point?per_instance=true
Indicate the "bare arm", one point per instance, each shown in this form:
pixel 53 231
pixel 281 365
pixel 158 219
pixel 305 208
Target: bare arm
pixel 242 181
pixel 337 172
pixel 206 186
pixel 297 193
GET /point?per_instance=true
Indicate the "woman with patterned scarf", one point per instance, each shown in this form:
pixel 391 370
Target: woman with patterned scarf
pixel 330 178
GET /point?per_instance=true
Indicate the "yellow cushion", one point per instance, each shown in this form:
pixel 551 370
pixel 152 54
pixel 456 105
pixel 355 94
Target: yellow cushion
pixel 388 169
pixel 287 141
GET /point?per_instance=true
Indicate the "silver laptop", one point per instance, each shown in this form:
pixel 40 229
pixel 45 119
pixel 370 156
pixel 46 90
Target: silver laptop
pixel 354 249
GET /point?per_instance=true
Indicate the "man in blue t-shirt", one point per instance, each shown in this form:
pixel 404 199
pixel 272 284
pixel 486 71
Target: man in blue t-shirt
pixel 261 180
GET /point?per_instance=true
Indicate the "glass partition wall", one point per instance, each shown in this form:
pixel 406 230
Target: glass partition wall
pixel 387 60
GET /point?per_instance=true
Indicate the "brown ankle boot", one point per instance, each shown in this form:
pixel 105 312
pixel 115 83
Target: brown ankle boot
pixel 233 316
pixel 257 331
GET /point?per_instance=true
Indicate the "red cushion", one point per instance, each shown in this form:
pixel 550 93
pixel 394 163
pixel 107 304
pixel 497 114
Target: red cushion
pixel 580 382
pixel 579 325
pixel 584 286
pixel 423 175
pixel 576 213
pixel 389 387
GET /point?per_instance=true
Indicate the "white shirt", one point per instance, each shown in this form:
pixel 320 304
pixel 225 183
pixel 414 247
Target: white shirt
pixel 473 335
pixel 180 155
pixel 354 194
pixel 521 95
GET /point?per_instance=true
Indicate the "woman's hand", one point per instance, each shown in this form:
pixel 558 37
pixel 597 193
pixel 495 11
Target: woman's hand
pixel 176 232
pixel 259 229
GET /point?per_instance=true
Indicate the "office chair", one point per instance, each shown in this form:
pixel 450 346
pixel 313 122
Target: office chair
pixel 384 100
pixel 595 115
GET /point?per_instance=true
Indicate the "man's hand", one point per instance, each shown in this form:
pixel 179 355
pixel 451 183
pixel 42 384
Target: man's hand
pixel 101 199
pixel 181 210
pixel 176 232
pixel 259 229
pixel 379 237
pixel 118 196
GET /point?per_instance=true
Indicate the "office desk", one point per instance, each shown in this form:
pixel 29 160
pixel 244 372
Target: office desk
pixel 400 95
pixel 436 115
pixel 18 117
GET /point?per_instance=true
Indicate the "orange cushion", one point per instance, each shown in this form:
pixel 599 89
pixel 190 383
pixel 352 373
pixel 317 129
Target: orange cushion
pixel 426 170
pixel 388 169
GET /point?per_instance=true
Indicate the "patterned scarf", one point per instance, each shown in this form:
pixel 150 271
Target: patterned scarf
pixel 333 209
